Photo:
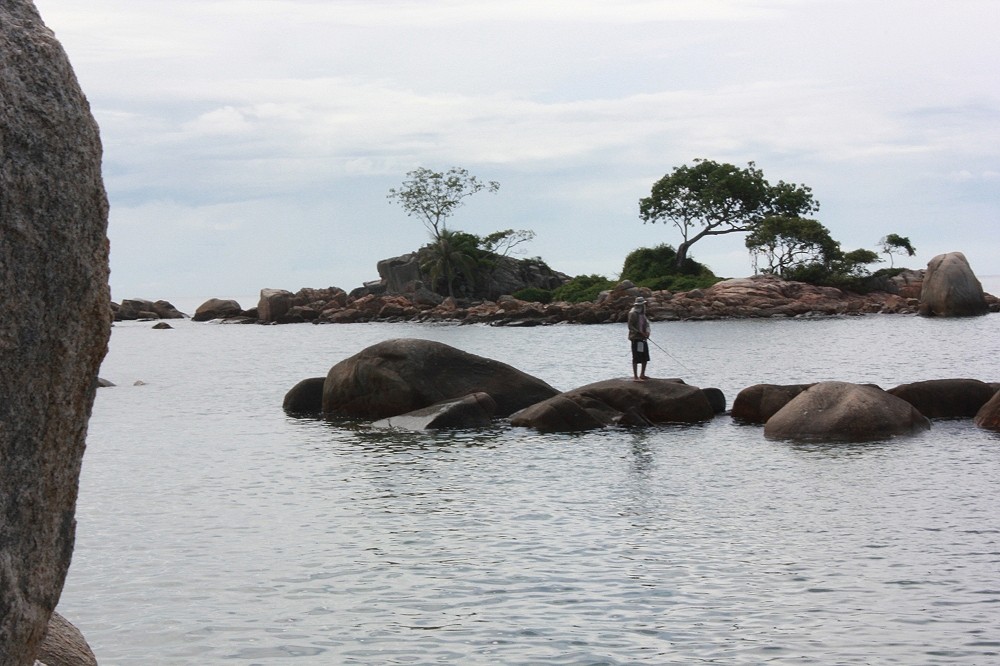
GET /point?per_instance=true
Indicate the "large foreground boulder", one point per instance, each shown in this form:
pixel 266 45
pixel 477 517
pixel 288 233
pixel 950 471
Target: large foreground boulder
pixel 618 402
pixel 989 414
pixel 56 317
pixel 951 289
pixel 757 403
pixel 844 412
pixel 399 376
pixel 946 398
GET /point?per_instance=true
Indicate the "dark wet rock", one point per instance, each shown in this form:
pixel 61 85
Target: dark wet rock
pixel 305 398
pixel 618 401
pixel 56 323
pixel 716 398
pixel 131 309
pixel 758 403
pixel 951 289
pixel 471 411
pixel 399 376
pixel 946 398
pixel 559 414
pixel 844 412
pixel 162 326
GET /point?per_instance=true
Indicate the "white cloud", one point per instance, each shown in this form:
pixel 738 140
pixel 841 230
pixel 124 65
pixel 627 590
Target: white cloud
pixel 307 111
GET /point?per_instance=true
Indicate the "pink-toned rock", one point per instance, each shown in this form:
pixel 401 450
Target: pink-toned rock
pixel 217 308
pixel 839 411
pixel 951 289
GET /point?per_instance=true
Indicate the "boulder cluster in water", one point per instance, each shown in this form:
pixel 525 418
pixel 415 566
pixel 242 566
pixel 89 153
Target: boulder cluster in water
pixel 425 385
pixel 947 288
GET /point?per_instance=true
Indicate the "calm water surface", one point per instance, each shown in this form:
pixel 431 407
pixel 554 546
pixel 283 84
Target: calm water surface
pixel 213 529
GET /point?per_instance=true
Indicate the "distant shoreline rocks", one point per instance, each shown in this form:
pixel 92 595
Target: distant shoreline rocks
pixel 761 296
pixel 948 288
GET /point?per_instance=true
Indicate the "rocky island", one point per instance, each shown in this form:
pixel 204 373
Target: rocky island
pixel 946 288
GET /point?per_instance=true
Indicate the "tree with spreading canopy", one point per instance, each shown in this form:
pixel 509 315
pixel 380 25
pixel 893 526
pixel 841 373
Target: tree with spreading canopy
pixel 780 244
pixel 710 198
pixel 433 197
pixel 896 244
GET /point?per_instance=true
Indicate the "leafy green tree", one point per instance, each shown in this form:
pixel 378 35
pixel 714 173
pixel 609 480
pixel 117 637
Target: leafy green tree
pixel 582 288
pixel 656 268
pixel 433 196
pixel 503 243
pixel 785 244
pixel 709 199
pixel 896 244
pixel 855 263
pixel 452 255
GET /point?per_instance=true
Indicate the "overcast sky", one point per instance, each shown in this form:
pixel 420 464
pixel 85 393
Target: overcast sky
pixel 251 143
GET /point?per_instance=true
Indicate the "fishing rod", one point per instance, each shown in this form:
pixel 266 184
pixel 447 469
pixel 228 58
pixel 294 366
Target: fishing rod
pixel 677 360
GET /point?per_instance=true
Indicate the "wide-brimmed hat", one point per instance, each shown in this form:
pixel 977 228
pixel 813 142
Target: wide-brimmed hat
pixel 640 301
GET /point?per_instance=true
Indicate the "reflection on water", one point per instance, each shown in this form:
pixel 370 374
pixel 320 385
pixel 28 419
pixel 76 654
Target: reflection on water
pixel 213 528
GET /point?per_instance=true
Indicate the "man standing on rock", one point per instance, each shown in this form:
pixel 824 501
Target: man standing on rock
pixel 638 333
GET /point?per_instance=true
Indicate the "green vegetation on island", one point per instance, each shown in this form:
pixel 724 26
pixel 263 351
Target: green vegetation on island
pixel 700 200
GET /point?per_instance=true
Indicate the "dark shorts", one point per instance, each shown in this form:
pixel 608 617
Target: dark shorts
pixel 640 351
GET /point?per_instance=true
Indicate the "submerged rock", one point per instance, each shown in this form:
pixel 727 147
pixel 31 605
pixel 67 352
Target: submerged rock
pixel 619 402
pixel 471 411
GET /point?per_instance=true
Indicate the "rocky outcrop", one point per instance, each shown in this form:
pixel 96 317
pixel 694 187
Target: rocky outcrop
pixel 471 411
pixel 404 274
pixel 756 404
pixel 761 296
pixel 951 289
pixel 217 308
pixel 399 376
pixel 618 402
pixel 64 645
pixel 273 306
pixel 56 304
pixel 844 412
pixel 946 398
pixel 988 415
pixel 132 309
